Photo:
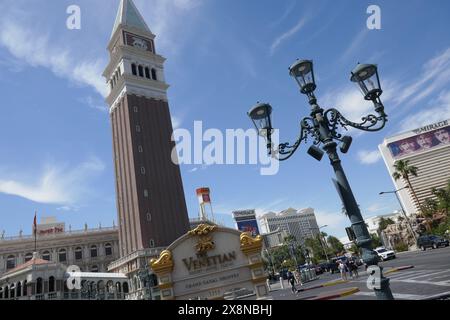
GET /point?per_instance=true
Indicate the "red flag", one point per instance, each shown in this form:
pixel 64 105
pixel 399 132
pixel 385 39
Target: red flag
pixel 34 222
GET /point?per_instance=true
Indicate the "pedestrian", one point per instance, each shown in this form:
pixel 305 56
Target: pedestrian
pixel 292 282
pixel 342 270
pixel 353 269
pixel 348 268
pixel 298 277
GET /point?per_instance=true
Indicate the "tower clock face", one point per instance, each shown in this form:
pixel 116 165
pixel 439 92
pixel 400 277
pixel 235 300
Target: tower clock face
pixel 139 43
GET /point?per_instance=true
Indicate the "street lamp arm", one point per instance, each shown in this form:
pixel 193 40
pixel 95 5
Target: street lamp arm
pixel 287 150
pixel 371 122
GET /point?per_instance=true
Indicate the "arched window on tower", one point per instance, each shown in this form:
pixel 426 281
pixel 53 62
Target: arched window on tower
pixel 147 72
pixel 133 69
pixel 141 71
pixel 154 75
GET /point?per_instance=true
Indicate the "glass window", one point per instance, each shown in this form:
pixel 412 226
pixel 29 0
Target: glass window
pixel 149 217
pixel 108 249
pixel 94 269
pixel 10 262
pixel 152 243
pixel 135 109
pixel 62 255
pixel 133 69
pixel 140 149
pixel 146 193
pixel 46 255
pixel 154 74
pixel 28 257
pixel 138 128
pixel 78 253
pixel 147 73
pixel 94 252
pixel 142 170
pixel 141 71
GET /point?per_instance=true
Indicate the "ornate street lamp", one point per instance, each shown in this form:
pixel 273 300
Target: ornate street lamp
pixel 322 126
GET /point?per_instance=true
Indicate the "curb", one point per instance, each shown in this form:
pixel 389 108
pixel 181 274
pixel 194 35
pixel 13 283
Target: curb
pixel 345 293
pixel 328 284
pixel 398 269
pixel 440 296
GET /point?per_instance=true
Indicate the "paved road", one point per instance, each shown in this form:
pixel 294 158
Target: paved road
pixel 430 276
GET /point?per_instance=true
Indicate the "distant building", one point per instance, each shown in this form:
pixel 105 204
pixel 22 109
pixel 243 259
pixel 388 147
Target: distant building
pixel 428 149
pixel 40 279
pixel 90 249
pixel 246 221
pixel 301 224
pixel 374 222
pixel 274 239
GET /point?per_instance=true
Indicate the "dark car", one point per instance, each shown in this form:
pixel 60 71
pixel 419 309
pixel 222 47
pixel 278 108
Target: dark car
pixel 331 267
pixel 431 241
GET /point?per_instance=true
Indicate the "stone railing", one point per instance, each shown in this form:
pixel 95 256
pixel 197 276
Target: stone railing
pixel 153 252
pixel 56 235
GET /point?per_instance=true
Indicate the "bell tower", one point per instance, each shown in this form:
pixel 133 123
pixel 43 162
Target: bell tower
pixel 151 206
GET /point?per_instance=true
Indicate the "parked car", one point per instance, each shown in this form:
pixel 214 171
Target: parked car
pixel 385 254
pixel 431 241
pixel 318 268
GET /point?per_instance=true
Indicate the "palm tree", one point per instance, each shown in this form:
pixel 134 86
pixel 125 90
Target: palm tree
pixel 443 197
pixel 403 171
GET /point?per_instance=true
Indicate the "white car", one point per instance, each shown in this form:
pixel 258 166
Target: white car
pixel 385 254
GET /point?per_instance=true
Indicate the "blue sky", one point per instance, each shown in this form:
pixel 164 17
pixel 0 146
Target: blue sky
pixel 222 57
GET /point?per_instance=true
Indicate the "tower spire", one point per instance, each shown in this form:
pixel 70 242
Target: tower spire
pixel 128 15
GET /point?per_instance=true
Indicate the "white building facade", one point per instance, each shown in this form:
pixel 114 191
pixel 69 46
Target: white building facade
pixel 301 224
pixel 428 149
pixel 92 250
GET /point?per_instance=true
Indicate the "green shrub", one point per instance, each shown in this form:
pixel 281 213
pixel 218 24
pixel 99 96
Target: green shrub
pixel 401 247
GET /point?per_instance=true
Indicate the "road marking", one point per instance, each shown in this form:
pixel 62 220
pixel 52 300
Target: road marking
pixel 403 296
pixel 429 274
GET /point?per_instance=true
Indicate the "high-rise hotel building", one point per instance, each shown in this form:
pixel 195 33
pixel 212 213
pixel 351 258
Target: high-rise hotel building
pixel 428 149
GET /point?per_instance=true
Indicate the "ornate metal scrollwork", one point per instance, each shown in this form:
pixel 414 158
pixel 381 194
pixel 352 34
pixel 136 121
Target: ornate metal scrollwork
pixel 370 122
pixel 334 121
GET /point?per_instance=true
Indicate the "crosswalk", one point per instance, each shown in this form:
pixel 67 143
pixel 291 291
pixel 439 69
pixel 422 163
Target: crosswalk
pixel 438 278
pixel 429 277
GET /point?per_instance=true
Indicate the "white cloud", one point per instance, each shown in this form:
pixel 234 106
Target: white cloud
pixel 277 42
pixel 369 157
pixel 95 104
pixel 194 169
pixel 355 44
pixel 435 75
pixel 349 101
pixel 333 220
pixel 57 184
pixel 34 49
pixel 165 19
pixel 438 110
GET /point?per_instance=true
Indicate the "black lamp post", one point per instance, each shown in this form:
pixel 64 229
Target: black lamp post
pixel 322 125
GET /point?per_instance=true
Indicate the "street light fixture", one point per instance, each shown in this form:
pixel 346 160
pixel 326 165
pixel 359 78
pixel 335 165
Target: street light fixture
pixel 320 240
pixel 403 210
pixel 323 125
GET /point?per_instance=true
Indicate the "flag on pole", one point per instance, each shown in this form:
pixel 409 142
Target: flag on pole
pixel 35 231
pixel 34 223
